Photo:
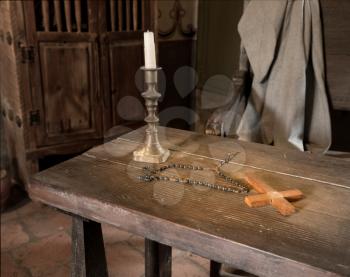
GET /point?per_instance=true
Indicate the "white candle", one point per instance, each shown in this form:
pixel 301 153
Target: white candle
pixel 150 51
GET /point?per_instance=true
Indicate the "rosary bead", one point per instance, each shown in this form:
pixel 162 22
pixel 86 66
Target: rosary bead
pixel 239 187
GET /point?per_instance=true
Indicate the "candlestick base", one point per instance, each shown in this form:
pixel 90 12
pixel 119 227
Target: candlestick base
pixel 146 155
pixel 151 151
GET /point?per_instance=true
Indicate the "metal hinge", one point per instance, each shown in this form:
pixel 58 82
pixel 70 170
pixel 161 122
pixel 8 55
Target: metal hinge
pixel 34 117
pixel 27 54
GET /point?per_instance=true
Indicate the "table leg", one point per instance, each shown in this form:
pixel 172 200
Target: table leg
pixel 89 257
pixel 157 259
pixel 215 269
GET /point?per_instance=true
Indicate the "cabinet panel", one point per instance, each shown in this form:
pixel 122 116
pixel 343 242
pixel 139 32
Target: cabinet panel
pixel 125 60
pixel 68 73
pixel 84 56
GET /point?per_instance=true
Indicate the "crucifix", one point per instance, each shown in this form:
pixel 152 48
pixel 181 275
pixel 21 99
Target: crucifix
pixel 268 196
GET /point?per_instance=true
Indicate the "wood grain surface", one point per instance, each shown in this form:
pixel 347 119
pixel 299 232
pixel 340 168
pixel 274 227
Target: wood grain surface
pixel 102 185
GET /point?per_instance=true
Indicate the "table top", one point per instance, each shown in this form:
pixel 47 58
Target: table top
pixel 102 185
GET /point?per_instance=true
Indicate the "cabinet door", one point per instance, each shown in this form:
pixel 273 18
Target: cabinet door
pixel 122 56
pixel 65 72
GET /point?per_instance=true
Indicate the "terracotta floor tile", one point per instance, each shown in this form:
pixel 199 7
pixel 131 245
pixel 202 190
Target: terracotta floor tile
pixel 44 256
pixel 204 263
pixel 112 234
pixel 61 271
pixel 124 261
pixel 8 215
pixel 9 267
pixel 12 235
pixel 46 223
pixel 46 250
pixel 137 243
pixel 178 253
pixel 183 267
pixel 30 207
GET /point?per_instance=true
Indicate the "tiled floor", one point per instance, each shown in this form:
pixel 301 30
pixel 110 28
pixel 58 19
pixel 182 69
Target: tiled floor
pixel 35 241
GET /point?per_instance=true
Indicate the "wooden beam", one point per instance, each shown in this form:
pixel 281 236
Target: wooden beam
pixel 58 18
pixel 46 19
pixel 135 15
pixel 88 252
pixel 77 11
pixel 157 259
pixel 112 12
pixel 214 269
pixel 120 15
pixel 128 19
pixel 67 12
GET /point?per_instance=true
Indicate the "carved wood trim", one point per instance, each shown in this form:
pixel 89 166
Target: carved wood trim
pixel 176 14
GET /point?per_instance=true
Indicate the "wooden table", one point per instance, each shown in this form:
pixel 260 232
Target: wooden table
pixel 101 186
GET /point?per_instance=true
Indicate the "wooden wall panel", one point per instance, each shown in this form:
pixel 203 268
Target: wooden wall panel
pixel 12 106
pixel 174 54
pixel 68 72
pixel 9 85
pixel 177 31
pixel 55 74
pixel 126 57
pixel 336 21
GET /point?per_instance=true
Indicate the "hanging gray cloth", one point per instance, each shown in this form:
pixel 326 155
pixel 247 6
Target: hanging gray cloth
pixel 288 104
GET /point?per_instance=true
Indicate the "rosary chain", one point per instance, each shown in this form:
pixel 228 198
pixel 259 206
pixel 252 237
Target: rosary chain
pixel 239 187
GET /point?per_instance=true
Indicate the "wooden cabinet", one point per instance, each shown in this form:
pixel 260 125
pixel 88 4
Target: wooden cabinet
pixel 68 92
pixel 74 60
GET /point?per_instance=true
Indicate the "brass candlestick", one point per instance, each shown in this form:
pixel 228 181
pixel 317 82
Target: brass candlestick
pixel 151 151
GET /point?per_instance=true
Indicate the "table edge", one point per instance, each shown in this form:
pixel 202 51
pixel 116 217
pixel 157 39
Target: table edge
pixel 219 249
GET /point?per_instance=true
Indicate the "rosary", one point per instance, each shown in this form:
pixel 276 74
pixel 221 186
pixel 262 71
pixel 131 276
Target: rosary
pixel 154 174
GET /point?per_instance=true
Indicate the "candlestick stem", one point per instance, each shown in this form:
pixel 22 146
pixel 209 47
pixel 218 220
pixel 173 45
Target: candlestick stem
pixel 151 151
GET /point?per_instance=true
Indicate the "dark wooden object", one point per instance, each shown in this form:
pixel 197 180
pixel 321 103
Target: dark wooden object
pixel 336 23
pixel 89 259
pixel 157 259
pixel 102 185
pixel 62 63
pixel 214 269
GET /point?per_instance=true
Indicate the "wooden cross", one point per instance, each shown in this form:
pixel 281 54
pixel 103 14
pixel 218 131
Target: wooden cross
pixel 269 196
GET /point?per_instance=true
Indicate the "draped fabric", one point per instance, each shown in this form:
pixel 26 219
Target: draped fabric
pixel 288 105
